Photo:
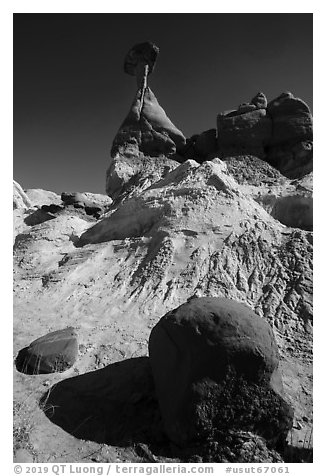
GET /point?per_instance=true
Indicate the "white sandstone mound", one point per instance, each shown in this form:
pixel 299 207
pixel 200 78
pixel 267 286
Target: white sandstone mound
pixel 201 230
pixel 39 197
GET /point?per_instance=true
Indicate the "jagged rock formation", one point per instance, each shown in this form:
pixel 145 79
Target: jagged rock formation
pixel 195 352
pixel 279 132
pixel 246 130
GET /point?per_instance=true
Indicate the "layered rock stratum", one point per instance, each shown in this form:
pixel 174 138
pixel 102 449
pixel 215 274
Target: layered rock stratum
pixel 181 223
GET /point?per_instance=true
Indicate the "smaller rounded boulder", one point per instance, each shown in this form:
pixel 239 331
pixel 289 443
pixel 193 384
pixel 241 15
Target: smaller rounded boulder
pixel 215 367
pixel 53 352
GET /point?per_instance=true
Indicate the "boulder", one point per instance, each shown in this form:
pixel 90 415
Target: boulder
pixel 200 147
pixel 206 144
pixel 240 133
pixel 290 146
pixel 74 198
pixel 53 352
pixel 287 105
pixel 146 53
pixel 260 101
pixel 39 216
pixel 91 203
pixel 215 366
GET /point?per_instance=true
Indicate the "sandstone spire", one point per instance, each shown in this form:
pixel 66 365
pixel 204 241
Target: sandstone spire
pixel 147 128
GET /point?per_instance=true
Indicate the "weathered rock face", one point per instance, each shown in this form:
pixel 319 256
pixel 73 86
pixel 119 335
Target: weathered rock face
pixel 20 199
pixel 201 147
pixel 290 147
pixel 39 197
pixel 196 350
pixel 279 132
pixel 147 129
pixel 128 176
pixel 146 132
pixel 54 352
pixel 243 132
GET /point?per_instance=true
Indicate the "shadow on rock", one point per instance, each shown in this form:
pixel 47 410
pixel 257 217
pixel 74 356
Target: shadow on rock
pixel 115 405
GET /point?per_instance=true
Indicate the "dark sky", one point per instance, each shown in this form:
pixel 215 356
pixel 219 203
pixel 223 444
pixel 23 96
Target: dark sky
pixel 71 95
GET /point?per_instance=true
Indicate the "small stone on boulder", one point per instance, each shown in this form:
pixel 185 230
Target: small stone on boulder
pixel 53 352
pixel 260 101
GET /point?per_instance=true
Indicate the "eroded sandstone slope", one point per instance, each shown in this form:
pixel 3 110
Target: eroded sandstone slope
pixel 202 230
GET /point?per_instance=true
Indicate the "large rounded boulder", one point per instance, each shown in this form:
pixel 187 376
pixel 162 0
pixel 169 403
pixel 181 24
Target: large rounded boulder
pixel 54 352
pixel 215 366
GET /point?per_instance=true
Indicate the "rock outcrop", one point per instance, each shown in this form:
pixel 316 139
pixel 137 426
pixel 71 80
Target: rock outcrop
pixel 196 351
pixel 54 352
pixel 290 147
pixel 39 197
pixel 20 199
pixel 201 147
pixel 279 132
pixel 243 132
pixel 147 131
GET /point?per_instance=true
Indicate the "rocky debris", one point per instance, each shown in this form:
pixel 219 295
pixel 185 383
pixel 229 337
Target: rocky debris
pixel 250 170
pixel 20 199
pixel 39 197
pixel 288 201
pixel 215 366
pixel 231 446
pixel 54 352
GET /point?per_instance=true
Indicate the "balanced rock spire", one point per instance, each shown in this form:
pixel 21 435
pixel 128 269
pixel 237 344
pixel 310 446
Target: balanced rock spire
pixel 146 129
